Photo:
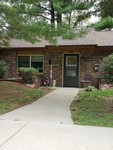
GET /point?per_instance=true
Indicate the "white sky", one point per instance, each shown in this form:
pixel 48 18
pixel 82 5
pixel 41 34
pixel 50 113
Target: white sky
pixel 93 19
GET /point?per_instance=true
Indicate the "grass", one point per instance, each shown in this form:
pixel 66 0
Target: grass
pixel 15 95
pixel 93 108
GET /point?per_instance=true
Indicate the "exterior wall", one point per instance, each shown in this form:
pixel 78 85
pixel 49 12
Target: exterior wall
pixel 89 55
pixel 57 53
pixel 56 68
pixel 89 59
pixel 10 57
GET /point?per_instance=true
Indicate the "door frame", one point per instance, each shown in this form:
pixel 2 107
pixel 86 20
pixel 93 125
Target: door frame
pixel 78 68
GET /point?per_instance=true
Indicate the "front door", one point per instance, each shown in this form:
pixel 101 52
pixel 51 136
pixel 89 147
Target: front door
pixel 71 70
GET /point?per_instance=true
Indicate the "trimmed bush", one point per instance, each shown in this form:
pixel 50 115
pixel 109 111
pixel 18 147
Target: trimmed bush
pixel 3 69
pixel 29 75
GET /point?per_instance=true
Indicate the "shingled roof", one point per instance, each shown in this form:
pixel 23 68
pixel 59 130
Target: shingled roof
pixel 101 38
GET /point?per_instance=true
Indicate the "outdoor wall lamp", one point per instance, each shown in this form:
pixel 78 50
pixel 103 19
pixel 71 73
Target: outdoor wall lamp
pixel 96 67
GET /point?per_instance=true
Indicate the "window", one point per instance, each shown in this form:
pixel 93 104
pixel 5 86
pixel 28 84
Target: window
pixel 71 64
pixel 23 61
pixel 71 61
pixel 31 61
pixel 37 62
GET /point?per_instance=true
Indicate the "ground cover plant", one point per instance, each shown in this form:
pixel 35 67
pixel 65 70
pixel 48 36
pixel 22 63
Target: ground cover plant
pixel 93 108
pixel 3 69
pixel 14 95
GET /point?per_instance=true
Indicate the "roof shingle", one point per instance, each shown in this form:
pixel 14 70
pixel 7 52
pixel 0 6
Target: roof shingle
pixel 101 38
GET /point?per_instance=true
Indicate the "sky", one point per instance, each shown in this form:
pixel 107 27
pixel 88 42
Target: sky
pixel 93 19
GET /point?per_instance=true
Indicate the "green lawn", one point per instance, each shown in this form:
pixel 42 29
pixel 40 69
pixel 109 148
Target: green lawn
pixel 93 108
pixel 14 95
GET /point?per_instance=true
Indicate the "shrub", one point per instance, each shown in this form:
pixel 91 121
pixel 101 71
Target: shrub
pixel 89 88
pixel 29 75
pixel 3 69
pixel 107 67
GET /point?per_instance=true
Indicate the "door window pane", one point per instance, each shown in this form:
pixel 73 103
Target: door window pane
pixel 71 71
pixel 23 61
pixel 71 61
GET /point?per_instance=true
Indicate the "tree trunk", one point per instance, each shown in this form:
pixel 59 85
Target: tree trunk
pixel 52 13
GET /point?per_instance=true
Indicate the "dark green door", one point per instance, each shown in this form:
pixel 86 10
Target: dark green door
pixel 71 70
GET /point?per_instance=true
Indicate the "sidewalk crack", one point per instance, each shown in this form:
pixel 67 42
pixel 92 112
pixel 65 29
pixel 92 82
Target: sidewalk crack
pixel 14 134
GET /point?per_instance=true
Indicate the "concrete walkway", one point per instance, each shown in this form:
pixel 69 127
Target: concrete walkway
pixel 52 108
pixel 46 125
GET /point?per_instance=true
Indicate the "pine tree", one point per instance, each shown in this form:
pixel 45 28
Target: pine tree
pixel 106 8
pixel 106 15
pixel 36 19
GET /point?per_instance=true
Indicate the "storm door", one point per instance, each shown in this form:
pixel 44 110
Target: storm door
pixel 71 70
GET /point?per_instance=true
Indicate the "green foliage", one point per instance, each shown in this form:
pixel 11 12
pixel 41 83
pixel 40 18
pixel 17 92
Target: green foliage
pixel 106 8
pixel 3 69
pixel 107 65
pixel 105 12
pixel 93 108
pixel 107 68
pixel 89 88
pixel 29 75
pixel 104 23
pixel 14 95
pixel 32 20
